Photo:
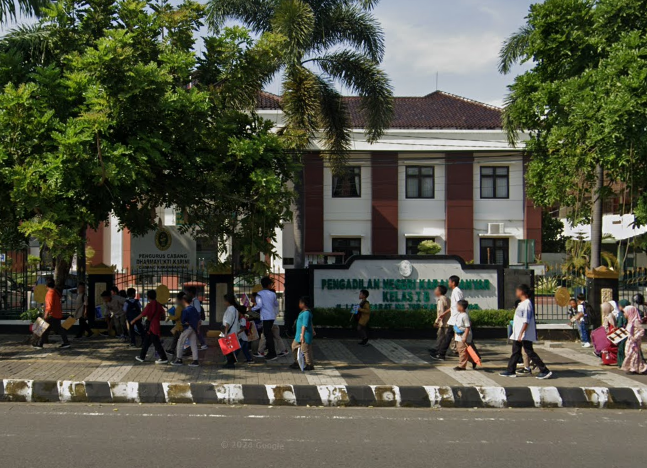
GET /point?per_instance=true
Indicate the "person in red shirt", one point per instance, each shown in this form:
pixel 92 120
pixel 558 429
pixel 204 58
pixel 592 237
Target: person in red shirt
pixel 53 316
pixel 153 312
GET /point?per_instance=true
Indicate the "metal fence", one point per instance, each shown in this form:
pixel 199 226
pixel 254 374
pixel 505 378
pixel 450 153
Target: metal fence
pixel 630 282
pixel 179 279
pixel 16 283
pixel 545 287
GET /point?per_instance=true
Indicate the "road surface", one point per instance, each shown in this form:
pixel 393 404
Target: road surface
pixel 63 436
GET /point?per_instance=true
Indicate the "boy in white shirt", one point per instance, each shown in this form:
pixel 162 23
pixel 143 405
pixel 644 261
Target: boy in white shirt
pixel 463 339
pixel 457 295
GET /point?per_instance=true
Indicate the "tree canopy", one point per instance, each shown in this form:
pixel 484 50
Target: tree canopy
pixel 584 101
pixel 326 42
pixel 103 110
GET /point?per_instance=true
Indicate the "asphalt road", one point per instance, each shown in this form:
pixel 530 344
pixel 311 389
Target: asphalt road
pixel 71 435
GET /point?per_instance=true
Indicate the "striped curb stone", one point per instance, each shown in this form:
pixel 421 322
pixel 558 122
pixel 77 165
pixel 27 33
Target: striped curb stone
pixel 64 391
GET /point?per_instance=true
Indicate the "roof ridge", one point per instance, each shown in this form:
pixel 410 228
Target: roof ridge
pixel 468 100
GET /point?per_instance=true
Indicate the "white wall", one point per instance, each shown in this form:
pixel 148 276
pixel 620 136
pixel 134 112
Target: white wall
pixel 509 211
pixel 421 217
pixel 116 243
pixel 349 217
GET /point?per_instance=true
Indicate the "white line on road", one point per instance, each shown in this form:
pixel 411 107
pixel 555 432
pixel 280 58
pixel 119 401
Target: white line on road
pixel 400 355
pixel 609 378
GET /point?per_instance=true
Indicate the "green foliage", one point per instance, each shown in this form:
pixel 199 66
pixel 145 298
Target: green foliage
pixel 583 101
pixel 105 116
pixel 322 44
pixel 407 319
pixel 31 315
pixel 579 255
pixel 552 238
pixel 429 247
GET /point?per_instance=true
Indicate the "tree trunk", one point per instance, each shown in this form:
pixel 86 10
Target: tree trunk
pixel 596 219
pixel 298 222
pixel 61 272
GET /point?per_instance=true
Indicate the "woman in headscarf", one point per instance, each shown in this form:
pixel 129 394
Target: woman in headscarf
pixel 609 354
pixel 634 363
pixel 608 317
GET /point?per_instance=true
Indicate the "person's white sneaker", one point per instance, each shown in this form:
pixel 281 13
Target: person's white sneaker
pixel 204 347
pixel 586 345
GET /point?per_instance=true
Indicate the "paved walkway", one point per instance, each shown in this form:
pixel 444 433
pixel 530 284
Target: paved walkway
pixel 338 362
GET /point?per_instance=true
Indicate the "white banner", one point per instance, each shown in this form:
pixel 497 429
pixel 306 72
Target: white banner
pixel 165 247
pixel 401 283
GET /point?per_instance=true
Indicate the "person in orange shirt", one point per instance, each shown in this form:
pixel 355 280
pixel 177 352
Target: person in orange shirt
pixel 53 316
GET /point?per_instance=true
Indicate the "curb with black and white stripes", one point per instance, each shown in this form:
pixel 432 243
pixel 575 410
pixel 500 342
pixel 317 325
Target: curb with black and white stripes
pixel 324 395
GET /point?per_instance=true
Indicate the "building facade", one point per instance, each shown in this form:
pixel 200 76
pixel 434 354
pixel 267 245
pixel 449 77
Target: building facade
pixel 444 171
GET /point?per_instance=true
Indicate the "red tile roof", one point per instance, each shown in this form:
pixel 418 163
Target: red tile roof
pixel 438 110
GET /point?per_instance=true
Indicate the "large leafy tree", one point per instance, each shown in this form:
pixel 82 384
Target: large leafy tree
pixel 584 103
pixel 100 113
pixel 325 43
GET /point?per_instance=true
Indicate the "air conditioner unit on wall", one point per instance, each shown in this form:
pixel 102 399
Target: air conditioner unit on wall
pixel 495 229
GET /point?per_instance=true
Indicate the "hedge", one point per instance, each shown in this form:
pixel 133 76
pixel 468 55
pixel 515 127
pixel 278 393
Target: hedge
pixel 407 319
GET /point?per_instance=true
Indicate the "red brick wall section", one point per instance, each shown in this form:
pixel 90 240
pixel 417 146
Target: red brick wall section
pixel 313 182
pixel 384 220
pixel 532 217
pixel 95 240
pixel 459 204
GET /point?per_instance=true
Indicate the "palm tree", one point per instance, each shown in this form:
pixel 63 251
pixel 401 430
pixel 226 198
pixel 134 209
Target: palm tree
pixel 10 9
pixel 324 42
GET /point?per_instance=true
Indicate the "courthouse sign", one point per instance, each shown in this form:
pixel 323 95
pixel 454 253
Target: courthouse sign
pixel 164 248
pixel 404 282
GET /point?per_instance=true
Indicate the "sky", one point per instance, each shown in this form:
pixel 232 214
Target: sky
pixel 457 39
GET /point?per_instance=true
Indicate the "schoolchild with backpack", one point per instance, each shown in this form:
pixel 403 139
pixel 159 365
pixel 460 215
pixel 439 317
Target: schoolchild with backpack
pixel 244 333
pixel 154 313
pixel 583 319
pixel 133 308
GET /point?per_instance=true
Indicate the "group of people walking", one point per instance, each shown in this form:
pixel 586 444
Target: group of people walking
pixel 253 324
pixel 455 330
pixel 617 341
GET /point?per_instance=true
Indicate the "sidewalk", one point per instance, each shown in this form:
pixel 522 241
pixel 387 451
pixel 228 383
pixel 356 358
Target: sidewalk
pixel 392 372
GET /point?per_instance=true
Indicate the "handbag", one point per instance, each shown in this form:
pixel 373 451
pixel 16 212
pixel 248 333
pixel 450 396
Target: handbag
pixel 69 322
pixel 229 343
pixel 39 327
pixel 458 331
pixel 475 357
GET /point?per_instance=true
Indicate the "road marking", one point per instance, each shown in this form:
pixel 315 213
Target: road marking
pixel 400 355
pixel 281 394
pixel 546 397
pixel 109 373
pixel 469 378
pixel 336 352
pixel 608 378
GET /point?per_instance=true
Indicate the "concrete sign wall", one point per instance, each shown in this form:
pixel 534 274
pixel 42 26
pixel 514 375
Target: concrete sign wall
pixel 404 282
pixel 165 247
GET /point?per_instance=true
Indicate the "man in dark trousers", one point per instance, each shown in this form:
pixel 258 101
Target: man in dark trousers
pixel 53 316
pixel 524 334
pixel 268 305
pixel 457 295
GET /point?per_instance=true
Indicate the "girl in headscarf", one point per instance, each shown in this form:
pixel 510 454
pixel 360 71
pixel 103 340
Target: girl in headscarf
pixel 634 363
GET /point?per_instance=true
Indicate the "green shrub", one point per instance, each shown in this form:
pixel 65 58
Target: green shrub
pixel 407 319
